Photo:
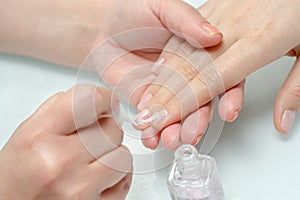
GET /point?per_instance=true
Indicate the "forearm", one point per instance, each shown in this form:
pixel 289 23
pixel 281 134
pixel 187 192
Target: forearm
pixel 57 31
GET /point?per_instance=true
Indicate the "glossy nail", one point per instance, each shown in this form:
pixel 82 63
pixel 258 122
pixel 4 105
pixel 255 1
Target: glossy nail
pixel 210 29
pixel 144 100
pixel 287 120
pixel 145 118
pixel 236 114
pixel 197 139
pixel 157 66
pixel 150 139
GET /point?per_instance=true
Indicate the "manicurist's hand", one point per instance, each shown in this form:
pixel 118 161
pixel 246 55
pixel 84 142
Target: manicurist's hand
pixel 65 150
pixel 255 33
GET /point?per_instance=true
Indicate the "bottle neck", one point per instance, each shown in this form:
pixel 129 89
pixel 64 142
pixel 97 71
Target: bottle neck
pixel 191 165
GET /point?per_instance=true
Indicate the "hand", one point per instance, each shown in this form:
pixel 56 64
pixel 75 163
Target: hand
pixel 192 128
pixel 147 27
pixel 254 42
pixel 127 60
pixel 66 151
pixel 64 33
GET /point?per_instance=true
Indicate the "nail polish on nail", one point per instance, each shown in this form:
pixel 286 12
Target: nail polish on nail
pixel 210 29
pixel 144 100
pixel 236 114
pixel 197 139
pixel 287 120
pixel 155 69
pixel 145 118
pixel 142 118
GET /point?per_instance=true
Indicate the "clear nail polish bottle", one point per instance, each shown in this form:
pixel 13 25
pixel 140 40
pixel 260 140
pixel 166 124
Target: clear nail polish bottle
pixel 194 176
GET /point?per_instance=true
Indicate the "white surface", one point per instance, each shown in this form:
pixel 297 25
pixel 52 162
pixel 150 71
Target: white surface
pixel 254 161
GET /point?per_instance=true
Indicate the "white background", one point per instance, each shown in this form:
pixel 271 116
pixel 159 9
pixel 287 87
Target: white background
pixel 255 162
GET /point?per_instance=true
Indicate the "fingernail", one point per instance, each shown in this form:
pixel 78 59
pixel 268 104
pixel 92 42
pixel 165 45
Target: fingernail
pixel 287 120
pixel 149 133
pixel 144 100
pixel 197 139
pixel 210 29
pixel 157 66
pixel 236 114
pixel 144 118
pixel 150 138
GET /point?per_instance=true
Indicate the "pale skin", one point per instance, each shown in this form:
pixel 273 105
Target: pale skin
pixel 46 157
pixel 64 33
pixel 263 32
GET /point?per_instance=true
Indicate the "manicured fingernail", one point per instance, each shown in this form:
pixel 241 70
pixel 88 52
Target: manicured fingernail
pixel 150 138
pixel 144 100
pixel 210 29
pixel 236 114
pixel 144 118
pixel 155 69
pixel 197 139
pixel 287 120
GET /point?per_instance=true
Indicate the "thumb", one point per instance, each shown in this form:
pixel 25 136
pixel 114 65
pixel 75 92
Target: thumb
pixel 288 100
pixel 186 22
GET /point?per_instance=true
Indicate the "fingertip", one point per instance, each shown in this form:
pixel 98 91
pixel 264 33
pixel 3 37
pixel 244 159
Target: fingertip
pixel 195 125
pixel 190 24
pixel 230 103
pixel 170 137
pixel 150 138
pixel 227 111
pixel 151 143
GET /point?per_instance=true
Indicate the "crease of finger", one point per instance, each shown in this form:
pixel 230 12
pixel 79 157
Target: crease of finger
pixel 100 138
pixel 164 65
pixel 187 98
pixel 118 191
pixel 213 80
pixel 184 71
pixel 111 168
pixel 193 61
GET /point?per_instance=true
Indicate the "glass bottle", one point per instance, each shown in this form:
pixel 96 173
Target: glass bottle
pixel 194 176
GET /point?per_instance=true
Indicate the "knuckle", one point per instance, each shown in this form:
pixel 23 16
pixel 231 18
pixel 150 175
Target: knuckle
pixel 50 164
pixel 90 93
pixel 294 91
pixel 187 71
pixel 185 49
pixel 211 79
pixel 166 92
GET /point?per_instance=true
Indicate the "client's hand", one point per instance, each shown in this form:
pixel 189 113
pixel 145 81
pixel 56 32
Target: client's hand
pixel 65 150
pixel 126 60
pixel 253 37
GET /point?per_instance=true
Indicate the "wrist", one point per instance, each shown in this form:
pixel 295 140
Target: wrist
pixel 52 31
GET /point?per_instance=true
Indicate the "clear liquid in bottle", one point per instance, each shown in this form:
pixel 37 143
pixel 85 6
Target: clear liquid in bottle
pixel 194 176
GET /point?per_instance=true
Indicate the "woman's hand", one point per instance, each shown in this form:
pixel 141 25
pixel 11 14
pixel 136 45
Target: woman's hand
pixel 129 60
pixel 175 60
pixel 64 32
pixel 255 34
pixel 133 34
pixel 65 150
